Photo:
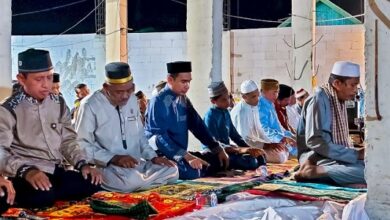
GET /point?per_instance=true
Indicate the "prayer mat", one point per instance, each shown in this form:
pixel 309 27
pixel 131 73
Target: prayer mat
pixel 252 176
pixel 141 210
pixel 235 188
pixel 289 165
pixel 247 176
pixel 73 212
pixel 281 194
pixel 319 186
pixel 326 194
pixel 185 190
pixel 166 206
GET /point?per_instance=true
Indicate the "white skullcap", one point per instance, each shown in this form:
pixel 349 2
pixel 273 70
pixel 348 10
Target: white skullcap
pixel 346 68
pixel 248 86
pixel 301 92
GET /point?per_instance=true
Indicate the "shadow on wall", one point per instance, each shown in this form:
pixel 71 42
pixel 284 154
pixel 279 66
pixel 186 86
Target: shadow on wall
pixel 5 92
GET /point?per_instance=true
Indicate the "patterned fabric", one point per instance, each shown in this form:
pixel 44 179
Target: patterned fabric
pixel 141 210
pixel 252 175
pixel 247 176
pixel 11 102
pixel 326 194
pixel 63 210
pixel 235 188
pixel 166 206
pixel 289 165
pixel 320 186
pixel 186 190
pixel 340 130
pixel 289 195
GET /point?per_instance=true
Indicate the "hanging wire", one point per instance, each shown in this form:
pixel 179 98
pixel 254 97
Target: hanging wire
pixel 333 19
pixel 70 44
pixel 279 21
pixel 255 19
pixel 344 18
pixel 67 30
pixel 48 9
pixel 179 2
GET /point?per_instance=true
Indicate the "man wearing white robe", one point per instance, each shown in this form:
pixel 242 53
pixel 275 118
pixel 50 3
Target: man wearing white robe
pixel 109 127
pixel 245 118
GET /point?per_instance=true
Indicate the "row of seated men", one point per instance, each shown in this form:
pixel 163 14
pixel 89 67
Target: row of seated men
pixel 109 149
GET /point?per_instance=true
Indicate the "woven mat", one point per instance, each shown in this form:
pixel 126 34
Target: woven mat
pixel 289 165
pixel 325 192
pixel 184 190
pixel 251 175
pixel 247 176
pixel 281 194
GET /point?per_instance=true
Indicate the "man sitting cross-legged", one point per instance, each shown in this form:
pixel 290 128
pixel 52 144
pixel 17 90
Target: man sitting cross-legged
pixel 324 150
pixel 219 123
pixel 111 130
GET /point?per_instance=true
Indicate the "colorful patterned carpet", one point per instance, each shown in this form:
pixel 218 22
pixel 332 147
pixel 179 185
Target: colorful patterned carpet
pixel 177 199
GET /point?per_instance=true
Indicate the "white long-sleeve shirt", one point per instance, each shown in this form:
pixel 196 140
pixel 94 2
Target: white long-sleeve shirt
pixel 247 122
pixel 293 115
pixel 102 129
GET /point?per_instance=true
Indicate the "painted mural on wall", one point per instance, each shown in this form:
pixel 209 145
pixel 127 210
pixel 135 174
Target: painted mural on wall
pixel 76 67
pixel 75 58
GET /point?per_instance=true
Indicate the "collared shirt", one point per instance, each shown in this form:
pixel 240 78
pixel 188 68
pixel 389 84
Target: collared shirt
pixel 269 121
pixel 34 133
pixel 314 134
pixel 220 125
pixel 169 117
pixel 293 113
pixel 246 120
pixel 282 115
pixel 105 130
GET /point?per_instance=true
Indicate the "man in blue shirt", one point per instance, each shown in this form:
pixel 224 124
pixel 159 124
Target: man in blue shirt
pixel 170 116
pixel 269 121
pixel 218 121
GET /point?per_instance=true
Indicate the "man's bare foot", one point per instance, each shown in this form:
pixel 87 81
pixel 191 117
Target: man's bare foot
pixel 308 171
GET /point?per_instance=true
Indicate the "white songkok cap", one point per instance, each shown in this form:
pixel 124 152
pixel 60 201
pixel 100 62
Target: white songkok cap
pixel 248 86
pixel 346 68
pixel 301 92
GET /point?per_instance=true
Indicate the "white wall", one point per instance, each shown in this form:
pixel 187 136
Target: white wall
pixel 377 129
pixel 5 48
pixel 256 53
pixel 247 54
pixel 262 53
pixel 149 53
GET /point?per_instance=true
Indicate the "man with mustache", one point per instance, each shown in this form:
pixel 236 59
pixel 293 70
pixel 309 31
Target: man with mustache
pixel 325 152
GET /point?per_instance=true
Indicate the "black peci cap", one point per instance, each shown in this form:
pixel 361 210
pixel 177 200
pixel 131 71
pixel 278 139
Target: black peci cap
pixel 33 61
pixel 179 67
pixel 118 72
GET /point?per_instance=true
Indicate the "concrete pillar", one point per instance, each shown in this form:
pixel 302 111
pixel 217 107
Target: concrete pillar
pixel 99 46
pixel 377 50
pixel 204 44
pixel 5 49
pixel 116 31
pixel 302 35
